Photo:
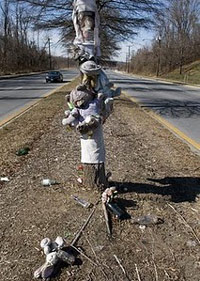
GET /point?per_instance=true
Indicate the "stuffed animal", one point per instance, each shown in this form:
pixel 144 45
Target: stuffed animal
pixel 85 115
pixel 54 254
pixel 96 79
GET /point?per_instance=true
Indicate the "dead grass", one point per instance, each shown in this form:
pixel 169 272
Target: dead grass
pixel 191 74
pixel 150 167
pixel 30 127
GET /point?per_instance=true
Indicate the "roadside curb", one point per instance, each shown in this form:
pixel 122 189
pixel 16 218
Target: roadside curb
pixel 5 77
pixel 30 105
pixel 10 76
pixel 172 82
pixel 192 143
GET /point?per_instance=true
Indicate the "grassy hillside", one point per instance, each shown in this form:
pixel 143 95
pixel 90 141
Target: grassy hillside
pixel 191 74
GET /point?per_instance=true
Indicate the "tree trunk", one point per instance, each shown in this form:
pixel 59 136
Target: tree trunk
pixel 94 176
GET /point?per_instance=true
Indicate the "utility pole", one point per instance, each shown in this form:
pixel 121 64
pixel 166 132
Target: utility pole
pixel 38 40
pixel 50 61
pixel 68 58
pixel 126 65
pixel 129 55
pixel 159 56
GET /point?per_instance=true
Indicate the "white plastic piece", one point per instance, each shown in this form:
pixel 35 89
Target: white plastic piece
pixel 142 227
pixel 80 180
pixel 48 182
pixel 4 179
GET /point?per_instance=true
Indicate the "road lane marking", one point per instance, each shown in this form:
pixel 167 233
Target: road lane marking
pixel 167 124
pixel 26 107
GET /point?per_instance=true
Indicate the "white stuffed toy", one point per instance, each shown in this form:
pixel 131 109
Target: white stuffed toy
pixel 54 253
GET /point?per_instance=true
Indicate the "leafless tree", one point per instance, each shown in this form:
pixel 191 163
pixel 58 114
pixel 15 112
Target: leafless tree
pixel 17 52
pixel 178 27
pixel 120 20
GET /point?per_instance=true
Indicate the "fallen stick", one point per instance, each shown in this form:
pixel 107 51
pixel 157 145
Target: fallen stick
pixel 106 219
pixel 166 274
pixel 82 228
pixel 100 265
pixel 137 272
pixel 185 222
pixel 156 271
pixel 91 248
pixel 153 251
pixel 85 256
pixel 121 266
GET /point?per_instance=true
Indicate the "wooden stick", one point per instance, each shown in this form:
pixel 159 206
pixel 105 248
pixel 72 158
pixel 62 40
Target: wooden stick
pixel 106 218
pixel 100 265
pixel 153 257
pixel 121 266
pixel 166 274
pixel 156 271
pixel 76 238
pixel 92 248
pixel 137 272
pixel 185 222
pixel 81 253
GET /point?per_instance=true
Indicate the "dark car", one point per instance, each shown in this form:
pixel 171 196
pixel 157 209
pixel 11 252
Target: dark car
pixel 54 76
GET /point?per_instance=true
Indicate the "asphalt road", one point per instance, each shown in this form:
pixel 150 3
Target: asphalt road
pixel 178 104
pixel 18 93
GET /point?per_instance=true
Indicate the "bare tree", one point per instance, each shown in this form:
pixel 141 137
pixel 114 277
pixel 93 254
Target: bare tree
pixel 178 27
pixel 17 51
pixel 120 19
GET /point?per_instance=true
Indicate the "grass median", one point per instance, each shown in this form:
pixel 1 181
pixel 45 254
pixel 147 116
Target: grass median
pixel 29 127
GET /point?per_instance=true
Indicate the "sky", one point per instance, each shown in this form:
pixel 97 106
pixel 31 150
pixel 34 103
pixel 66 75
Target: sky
pixel 144 38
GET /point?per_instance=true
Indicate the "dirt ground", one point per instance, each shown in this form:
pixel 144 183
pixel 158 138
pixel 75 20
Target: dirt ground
pixel 154 171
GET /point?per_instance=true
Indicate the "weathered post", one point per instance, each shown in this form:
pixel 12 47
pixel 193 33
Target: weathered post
pixel 90 102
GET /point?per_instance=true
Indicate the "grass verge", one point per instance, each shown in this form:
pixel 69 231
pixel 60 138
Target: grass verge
pixel 29 127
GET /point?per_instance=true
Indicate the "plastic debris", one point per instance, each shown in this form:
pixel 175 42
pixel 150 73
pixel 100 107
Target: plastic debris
pixel 82 202
pixel 116 210
pixel 147 220
pixel 23 151
pixel 142 227
pixel 80 174
pixel 48 182
pixel 79 180
pixel 4 179
pixel 111 205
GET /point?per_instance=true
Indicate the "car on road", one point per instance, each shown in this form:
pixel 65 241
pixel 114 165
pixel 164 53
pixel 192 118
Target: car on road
pixel 54 76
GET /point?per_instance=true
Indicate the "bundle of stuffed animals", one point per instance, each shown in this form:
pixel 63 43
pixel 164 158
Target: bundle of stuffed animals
pixel 90 104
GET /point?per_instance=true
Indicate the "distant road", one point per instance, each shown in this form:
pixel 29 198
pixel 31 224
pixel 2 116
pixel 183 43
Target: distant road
pixel 17 93
pixel 177 104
